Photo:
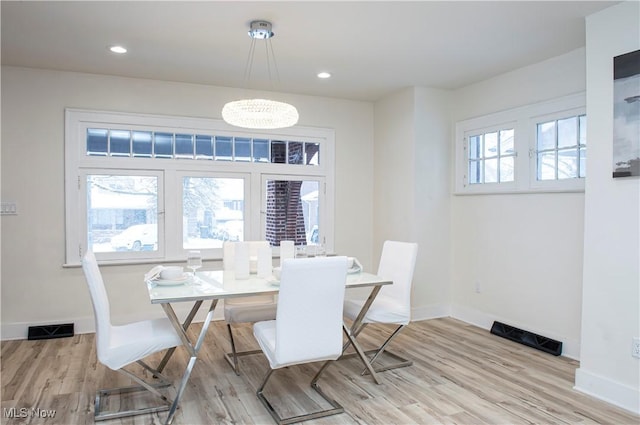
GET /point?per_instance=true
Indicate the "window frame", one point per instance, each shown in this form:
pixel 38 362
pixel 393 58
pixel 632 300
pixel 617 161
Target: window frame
pixel 494 186
pixel 570 184
pixel 323 202
pixel 77 121
pixel 83 216
pixel 178 222
pixel 523 120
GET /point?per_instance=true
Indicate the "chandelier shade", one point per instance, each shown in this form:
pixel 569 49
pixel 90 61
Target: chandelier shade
pixel 260 113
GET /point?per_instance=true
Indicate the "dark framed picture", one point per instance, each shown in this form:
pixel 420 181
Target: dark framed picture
pixel 626 115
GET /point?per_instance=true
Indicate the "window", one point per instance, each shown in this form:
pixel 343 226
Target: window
pixel 561 147
pixel 539 147
pixel 150 188
pixel 292 209
pixel 491 157
pixel 122 212
pixel 212 210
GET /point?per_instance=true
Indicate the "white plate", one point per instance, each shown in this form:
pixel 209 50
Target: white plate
pixel 172 282
pixel 273 281
pixel 354 270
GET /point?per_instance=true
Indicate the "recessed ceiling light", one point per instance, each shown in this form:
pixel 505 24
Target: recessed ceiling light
pixel 118 49
pixel 324 75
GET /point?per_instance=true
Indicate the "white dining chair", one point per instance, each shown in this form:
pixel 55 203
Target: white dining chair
pixel 393 303
pixel 122 345
pixel 244 309
pixel 308 324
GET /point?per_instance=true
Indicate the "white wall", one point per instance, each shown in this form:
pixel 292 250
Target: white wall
pixel 394 174
pixel 432 209
pixel 36 289
pixel 524 250
pixel 411 200
pixel 611 284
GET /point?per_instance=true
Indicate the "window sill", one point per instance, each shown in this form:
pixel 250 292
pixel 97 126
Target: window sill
pixel 517 192
pixel 105 263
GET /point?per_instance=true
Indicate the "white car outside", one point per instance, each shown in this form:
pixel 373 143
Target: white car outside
pixel 136 238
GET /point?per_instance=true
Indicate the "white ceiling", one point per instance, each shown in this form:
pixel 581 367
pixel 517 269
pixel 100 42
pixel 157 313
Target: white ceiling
pixel 371 48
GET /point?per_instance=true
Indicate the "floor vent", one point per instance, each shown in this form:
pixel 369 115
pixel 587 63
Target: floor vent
pixel 530 339
pixel 50 331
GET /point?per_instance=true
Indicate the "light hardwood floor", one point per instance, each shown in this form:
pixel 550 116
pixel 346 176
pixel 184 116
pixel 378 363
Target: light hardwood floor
pixel 461 375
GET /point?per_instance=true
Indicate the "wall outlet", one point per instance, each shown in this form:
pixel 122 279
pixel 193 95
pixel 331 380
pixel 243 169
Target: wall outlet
pixel 478 287
pixel 635 348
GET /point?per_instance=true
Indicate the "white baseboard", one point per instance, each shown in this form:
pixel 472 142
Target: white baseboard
pixel 83 325
pixel 607 390
pixel 20 330
pixel 570 347
pixel 432 311
pixel 472 316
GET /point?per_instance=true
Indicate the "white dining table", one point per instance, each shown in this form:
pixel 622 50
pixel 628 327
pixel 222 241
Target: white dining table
pixel 212 286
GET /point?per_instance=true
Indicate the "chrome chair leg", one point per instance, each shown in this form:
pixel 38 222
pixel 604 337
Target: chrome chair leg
pixel 232 357
pixel 234 360
pixel 335 409
pixel 400 361
pixel 185 326
pixel 327 363
pixel 101 395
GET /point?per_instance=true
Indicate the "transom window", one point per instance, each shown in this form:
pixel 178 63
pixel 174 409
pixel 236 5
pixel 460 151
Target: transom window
pixel 149 144
pixel 147 191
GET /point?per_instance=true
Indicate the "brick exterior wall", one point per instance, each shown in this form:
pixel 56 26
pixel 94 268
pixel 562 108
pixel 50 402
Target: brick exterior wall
pixel 285 217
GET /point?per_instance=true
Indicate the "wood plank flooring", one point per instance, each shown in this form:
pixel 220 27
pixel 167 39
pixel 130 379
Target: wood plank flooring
pixel 461 375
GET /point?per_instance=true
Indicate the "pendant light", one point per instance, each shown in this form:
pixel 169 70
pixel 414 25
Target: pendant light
pixel 260 113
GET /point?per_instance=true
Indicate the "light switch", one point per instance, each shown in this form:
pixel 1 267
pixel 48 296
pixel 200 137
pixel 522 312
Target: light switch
pixel 8 208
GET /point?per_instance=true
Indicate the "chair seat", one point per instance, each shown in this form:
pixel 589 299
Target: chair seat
pixel 250 312
pixel 383 310
pixel 265 334
pixel 132 342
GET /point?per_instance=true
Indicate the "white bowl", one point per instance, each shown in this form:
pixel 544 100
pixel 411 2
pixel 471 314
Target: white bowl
pixel 172 273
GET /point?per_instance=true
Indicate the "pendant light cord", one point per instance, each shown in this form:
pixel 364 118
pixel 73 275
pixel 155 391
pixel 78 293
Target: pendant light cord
pixel 271 64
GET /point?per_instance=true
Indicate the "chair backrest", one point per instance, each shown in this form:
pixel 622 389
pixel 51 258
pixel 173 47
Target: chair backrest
pixel 397 262
pixel 228 252
pixel 100 302
pixel 310 307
